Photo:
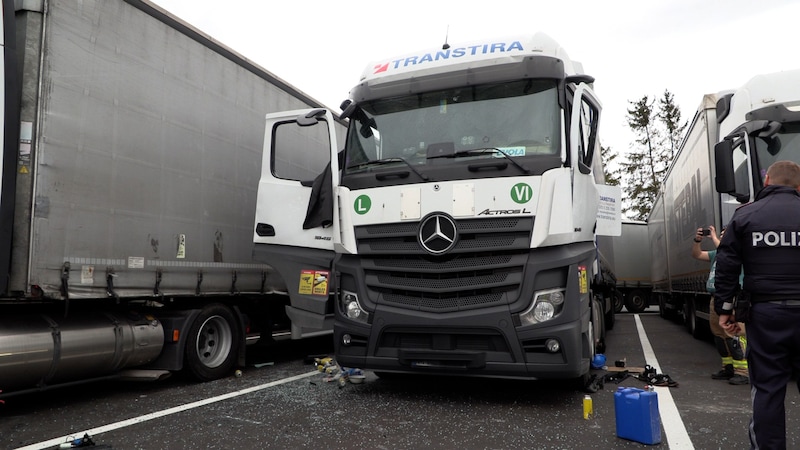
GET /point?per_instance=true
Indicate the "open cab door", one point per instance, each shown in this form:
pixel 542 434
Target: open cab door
pixel 294 214
pixel 589 191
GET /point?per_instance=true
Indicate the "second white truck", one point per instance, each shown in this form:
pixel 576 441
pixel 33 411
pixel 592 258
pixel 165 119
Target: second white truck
pixel 734 137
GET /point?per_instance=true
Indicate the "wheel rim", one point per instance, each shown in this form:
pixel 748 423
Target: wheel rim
pixel 214 341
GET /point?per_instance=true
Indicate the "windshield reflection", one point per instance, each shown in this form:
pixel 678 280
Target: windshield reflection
pixel 520 119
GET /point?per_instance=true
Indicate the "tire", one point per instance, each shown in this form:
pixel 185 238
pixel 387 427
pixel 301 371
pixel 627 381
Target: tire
pixel 212 347
pixel 668 314
pixel 619 302
pixel 598 326
pixel 689 317
pixel 610 318
pixel 580 383
pixel 637 301
pixel 699 328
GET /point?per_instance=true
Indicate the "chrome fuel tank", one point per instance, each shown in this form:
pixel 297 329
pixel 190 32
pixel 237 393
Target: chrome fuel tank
pixel 41 350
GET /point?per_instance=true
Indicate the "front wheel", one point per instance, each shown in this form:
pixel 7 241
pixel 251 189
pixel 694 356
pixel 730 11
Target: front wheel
pixel 213 343
pixel 598 327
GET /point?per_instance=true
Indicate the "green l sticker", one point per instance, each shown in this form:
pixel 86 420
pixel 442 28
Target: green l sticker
pixel 362 204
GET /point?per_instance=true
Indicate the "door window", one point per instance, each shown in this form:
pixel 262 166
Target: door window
pixel 300 153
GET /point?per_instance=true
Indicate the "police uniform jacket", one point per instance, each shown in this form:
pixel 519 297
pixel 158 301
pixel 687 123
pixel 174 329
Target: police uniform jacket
pixel 763 238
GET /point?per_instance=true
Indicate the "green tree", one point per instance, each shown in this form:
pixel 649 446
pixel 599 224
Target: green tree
pixel 612 175
pixel 658 129
pixel 670 117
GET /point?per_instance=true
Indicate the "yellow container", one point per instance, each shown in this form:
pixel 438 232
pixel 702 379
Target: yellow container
pixel 587 407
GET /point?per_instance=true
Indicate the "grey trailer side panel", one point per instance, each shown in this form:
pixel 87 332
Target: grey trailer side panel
pixel 146 156
pixel 659 253
pixel 631 257
pixel 10 139
pixel 690 204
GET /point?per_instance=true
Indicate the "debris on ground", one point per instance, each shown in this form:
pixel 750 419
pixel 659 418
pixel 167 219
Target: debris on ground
pixel 85 441
pixel 595 383
pixel 650 376
pixel 647 374
pixel 260 365
pixel 341 375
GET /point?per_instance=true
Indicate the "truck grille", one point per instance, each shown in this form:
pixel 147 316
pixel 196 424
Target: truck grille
pixel 485 267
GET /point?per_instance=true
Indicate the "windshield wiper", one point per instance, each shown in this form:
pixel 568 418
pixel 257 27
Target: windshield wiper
pixel 380 162
pixel 471 151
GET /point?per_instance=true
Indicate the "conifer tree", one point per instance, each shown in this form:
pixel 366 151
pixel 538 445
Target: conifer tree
pixel 658 129
pixel 612 176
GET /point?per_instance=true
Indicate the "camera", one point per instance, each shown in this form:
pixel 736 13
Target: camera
pixel 706 232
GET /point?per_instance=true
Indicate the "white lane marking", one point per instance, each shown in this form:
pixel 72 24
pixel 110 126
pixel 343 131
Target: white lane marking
pixel 677 437
pixel 154 415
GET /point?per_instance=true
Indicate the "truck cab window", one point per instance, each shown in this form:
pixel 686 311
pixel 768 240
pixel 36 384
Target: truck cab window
pixel 300 153
pixel 783 145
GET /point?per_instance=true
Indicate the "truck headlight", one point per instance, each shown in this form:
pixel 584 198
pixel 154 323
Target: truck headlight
pixel 545 306
pixel 351 308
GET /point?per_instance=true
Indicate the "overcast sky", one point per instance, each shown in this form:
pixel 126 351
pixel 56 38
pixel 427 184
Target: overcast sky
pixel 632 47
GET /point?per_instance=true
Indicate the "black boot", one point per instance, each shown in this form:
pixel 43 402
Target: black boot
pixel 726 373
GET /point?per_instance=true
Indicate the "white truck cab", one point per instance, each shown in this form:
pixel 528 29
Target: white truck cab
pixel 457 228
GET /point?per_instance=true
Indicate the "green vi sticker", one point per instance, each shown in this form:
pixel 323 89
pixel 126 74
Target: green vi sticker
pixel 362 204
pixel 521 193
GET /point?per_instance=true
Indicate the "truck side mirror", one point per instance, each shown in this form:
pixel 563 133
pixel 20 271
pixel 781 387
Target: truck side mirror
pixel 347 107
pixel 723 162
pixel 311 118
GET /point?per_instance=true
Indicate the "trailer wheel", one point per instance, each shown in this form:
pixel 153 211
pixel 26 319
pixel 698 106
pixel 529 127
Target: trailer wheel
pixel 689 317
pixel 664 311
pixel 213 343
pixel 696 326
pixel 619 302
pixel 637 301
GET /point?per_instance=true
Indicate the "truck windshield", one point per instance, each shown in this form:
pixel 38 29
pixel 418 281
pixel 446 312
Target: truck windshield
pixel 521 119
pixel 784 145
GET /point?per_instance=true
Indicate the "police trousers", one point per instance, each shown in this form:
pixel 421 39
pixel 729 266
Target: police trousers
pixel 773 353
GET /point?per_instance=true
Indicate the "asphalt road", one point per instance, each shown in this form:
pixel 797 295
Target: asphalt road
pixel 282 402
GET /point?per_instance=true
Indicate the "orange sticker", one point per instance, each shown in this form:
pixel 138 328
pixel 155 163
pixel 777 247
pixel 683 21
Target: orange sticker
pixel 583 280
pixel 313 282
pixel 320 282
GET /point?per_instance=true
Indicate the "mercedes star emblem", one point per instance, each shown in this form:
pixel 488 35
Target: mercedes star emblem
pixel 438 233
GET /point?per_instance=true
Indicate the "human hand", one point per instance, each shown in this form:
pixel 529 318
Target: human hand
pixel 712 232
pixel 699 235
pixel 727 323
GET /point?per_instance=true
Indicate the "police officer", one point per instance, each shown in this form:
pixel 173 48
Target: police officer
pixel 763 238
